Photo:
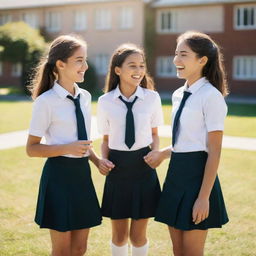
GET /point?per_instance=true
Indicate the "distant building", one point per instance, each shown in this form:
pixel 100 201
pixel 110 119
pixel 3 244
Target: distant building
pixel 232 23
pixel 104 24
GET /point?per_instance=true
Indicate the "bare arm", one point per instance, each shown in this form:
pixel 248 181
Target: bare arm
pixel 34 148
pixel 156 156
pixel 201 206
pixel 105 165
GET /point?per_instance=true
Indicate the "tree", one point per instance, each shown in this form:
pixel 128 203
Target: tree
pixel 21 43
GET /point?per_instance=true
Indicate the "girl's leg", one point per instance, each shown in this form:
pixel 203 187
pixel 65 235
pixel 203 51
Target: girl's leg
pixel 177 241
pixel 193 242
pixel 138 237
pixel 61 243
pixel 79 241
pixel 120 230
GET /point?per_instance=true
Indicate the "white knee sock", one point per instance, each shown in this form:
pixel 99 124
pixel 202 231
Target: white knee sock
pixel 119 250
pixel 140 251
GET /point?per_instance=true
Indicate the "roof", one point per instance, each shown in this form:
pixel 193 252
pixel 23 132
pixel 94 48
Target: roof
pixel 19 4
pixel 166 3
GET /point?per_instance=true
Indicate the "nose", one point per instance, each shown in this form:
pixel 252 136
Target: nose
pixel 175 60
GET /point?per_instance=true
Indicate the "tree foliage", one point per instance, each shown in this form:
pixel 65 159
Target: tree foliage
pixel 21 43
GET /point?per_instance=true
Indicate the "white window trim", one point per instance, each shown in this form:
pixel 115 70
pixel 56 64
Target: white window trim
pixel 5 18
pixel 103 23
pixel 126 13
pixel 31 19
pixel 16 69
pixel 101 62
pixel 80 26
pixel 173 21
pixel 242 27
pixel 56 27
pixel 243 76
pixel 167 61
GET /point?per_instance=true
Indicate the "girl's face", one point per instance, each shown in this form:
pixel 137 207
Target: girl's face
pixel 187 63
pixel 132 70
pixel 74 68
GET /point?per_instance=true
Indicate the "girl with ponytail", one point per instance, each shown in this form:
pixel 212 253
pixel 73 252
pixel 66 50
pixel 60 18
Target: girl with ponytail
pixel 191 201
pixel 67 203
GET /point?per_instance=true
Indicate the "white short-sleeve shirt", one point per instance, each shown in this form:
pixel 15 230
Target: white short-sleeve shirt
pixel 54 117
pixel 204 111
pixel 111 115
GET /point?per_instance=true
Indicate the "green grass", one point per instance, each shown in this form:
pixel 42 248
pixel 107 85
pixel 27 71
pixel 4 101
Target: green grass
pixel 241 120
pixel 20 236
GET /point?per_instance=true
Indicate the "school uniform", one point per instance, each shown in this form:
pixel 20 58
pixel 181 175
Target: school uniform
pixel 67 199
pixel 131 188
pixel 204 111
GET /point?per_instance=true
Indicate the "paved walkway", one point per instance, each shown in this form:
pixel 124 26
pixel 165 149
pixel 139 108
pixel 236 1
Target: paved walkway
pixel 18 138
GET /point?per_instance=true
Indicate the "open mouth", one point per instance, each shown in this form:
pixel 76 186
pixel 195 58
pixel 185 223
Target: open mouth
pixel 180 68
pixel 136 77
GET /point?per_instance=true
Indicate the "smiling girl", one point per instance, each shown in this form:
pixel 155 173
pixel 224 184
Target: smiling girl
pixel 128 116
pixel 191 201
pixel 67 203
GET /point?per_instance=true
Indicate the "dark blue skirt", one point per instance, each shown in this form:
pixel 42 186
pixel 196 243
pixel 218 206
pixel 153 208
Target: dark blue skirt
pixel 132 188
pixel 180 191
pixel 67 199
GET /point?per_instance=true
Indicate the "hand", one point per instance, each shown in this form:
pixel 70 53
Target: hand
pixel 200 210
pixel 154 158
pixel 79 148
pixel 105 166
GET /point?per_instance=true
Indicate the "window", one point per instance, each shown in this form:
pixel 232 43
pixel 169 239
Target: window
pixel 53 21
pixel 166 21
pixel 16 69
pixel 103 19
pixel 244 67
pixel 80 20
pixel 31 19
pixel 126 18
pixel 245 17
pixel 1 68
pixel 165 67
pixel 101 63
pixel 5 18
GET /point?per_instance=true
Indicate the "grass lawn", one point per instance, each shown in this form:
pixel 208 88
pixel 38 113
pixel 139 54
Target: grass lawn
pixel 20 236
pixel 241 120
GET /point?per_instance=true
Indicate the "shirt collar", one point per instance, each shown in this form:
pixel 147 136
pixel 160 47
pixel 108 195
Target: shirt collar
pixel 63 93
pixel 196 85
pixel 139 93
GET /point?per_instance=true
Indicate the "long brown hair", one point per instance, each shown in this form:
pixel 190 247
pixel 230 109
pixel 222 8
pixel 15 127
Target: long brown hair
pixel 46 72
pixel 117 59
pixel 203 45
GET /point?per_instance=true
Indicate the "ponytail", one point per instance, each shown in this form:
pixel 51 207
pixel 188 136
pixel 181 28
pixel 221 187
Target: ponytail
pixel 43 80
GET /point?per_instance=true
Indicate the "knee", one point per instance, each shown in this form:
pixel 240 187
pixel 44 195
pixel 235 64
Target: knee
pixel 138 240
pixel 178 250
pixel 120 239
pixel 79 250
pixel 61 252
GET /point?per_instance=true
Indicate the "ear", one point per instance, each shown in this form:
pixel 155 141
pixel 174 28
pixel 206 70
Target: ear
pixel 203 60
pixel 117 71
pixel 60 64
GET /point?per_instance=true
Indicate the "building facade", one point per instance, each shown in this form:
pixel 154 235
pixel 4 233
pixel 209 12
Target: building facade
pixel 104 24
pixel 232 24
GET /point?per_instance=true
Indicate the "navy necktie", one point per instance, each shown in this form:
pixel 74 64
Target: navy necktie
pixel 175 125
pixel 129 125
pixel 81 130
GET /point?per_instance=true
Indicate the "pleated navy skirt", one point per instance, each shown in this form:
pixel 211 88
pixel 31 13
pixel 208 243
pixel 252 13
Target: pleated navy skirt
pixel 67 199
pixel 132 188
pixel 180 191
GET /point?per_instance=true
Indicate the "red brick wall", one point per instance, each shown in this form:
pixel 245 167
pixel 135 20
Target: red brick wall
pixel 233 42
pixel 6 79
